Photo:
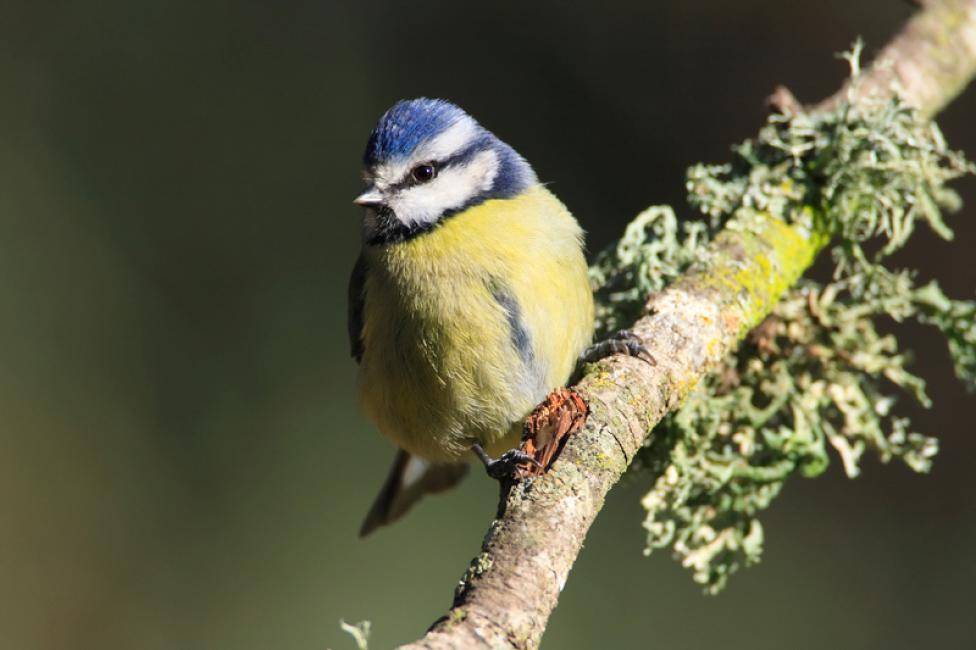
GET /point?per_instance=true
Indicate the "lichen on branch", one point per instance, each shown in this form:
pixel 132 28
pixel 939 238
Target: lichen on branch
pixel 816 374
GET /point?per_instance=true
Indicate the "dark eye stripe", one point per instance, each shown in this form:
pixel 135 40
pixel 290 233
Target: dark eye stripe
pixel 459 158
pixel 409 180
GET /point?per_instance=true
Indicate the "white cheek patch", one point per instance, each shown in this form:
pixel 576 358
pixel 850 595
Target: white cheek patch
pixel 455 138
pixel 453 187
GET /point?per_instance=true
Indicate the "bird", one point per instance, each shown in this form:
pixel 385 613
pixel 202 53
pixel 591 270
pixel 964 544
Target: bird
pixel 469 300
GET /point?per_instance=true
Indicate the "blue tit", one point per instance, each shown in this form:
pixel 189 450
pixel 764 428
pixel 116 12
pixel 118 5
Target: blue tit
pixel 469 301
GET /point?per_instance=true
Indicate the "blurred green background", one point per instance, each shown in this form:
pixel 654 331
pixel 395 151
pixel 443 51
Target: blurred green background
pixel 181 460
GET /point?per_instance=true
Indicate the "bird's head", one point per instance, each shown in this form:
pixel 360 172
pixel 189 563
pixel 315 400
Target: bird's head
pixel 426 160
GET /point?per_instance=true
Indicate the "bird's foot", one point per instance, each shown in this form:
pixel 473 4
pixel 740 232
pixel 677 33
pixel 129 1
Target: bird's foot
pixel 506 465
pixel 622 342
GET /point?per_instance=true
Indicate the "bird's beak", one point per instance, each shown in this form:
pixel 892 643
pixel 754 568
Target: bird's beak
pixel 369 199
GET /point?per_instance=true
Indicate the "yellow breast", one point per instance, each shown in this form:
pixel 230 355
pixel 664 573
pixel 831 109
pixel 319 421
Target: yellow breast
pixel 468 326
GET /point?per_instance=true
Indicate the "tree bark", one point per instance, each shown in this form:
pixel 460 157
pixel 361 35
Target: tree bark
pixel 506 597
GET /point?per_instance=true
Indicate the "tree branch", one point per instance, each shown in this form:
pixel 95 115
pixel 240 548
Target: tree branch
pixel 511 588
pixel 929 62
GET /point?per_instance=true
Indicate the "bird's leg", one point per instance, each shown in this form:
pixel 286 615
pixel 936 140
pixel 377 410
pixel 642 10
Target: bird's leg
pixel 623 342
pixel 505 465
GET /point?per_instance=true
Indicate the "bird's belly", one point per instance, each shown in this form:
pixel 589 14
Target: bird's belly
pixel 440 371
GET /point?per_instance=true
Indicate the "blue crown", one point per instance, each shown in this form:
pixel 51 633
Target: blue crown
pixel 407 125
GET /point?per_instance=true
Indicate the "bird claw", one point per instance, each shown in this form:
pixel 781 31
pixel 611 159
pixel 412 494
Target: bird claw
pixel 506 465
pixel 622 342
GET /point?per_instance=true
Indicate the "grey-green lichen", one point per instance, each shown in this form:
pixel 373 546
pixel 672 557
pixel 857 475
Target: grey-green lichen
pixel 479 565
pixel 815 375
pixel 653 251
pixel 359 632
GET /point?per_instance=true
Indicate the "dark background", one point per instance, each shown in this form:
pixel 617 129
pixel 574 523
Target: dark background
pixel 181 460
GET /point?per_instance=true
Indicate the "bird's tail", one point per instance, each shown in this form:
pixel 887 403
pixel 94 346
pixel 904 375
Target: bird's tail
pixel 409 480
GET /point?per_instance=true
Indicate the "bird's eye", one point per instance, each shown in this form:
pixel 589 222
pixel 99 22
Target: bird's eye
pixel 424 173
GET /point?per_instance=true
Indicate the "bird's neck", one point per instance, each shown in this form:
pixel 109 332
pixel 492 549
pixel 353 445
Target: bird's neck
pixel 477 240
